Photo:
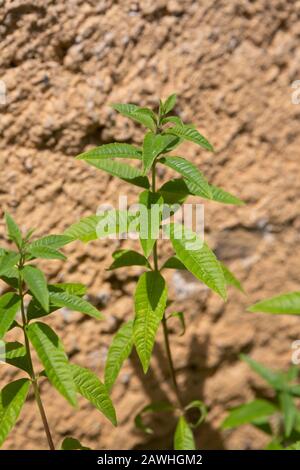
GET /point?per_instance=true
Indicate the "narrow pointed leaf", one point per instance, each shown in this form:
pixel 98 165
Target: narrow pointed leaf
pixel 46 252
pixel 190 173
pixel 198 258
pixel 124 258
pixel 123 171
pixel 36 281
pixel 73 288
pixel 91 388
pixel 54 242
pixel 118 352
pixel 114 150
pixel 191 134
pixel 230 278
pixel 150 304
pixel 64 299
pixel 169 103
pixel 84 230
pixel 220 195
pixel 183 439
pixel 275 379
pixel 13 230
pixel 150 220
pixel 289 412
pixel 248 413
pixel 9 306
pixel 141 115
pixel 12 399
pixel 285 303
pixel 51 353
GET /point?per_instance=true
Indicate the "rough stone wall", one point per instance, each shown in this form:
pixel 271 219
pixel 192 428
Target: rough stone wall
pixel 232 65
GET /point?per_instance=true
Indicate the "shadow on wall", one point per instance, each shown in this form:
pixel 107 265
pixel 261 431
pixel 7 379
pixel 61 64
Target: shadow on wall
pixel 164 423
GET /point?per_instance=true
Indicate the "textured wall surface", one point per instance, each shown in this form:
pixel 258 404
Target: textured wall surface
pixel 232 64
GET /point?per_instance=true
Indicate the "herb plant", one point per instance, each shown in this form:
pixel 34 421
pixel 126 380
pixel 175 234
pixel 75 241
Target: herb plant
pixel 278 417
pixel 165 133
pixel 280 304
pixel 29 293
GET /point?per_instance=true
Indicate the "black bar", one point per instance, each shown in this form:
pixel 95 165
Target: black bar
pixel 143 459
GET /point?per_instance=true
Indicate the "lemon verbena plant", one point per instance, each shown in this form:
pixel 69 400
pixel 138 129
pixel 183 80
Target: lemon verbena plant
pixel 165 132
pixel 26 302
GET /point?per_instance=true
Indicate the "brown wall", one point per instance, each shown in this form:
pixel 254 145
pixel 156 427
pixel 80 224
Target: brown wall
pixel 232 64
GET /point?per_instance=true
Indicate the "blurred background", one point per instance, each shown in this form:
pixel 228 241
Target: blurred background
pixel 232 65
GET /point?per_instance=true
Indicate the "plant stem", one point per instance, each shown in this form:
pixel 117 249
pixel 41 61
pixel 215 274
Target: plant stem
pixel 31 370
pixel 164 320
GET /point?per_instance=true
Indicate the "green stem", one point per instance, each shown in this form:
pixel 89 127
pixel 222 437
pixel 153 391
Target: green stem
pixel 31 369
pixel 164 320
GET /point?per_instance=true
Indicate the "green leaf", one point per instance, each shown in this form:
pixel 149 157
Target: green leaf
pixel 74 288
pixel 150 303
pixel 117 222
pixel 91 388
pixel 198 258
pixel 220 195
pixel 172 119
pixel 187 132
pixel 142 115
pixel 154 145
pixel 289 412
pixel 169 103
pixel 46 253
pixel 9 306
pixel 183 439
pixel 70 443
pixel 114 150
pixel 51 353
pixel 284 303
pixel 151 205
pixel 64 299
pixel 123 171
pixel 12 399
pixel 13 230
pixel 8 261
pixel 14 353
pixel 230 278
pixel 118 352
pixel 36 281
pixel 174 191
pixel 84 230
pixel 11 277
pixel 275 379
pixel 124 258
pixel 190 173
pixel 54 242
pixel 173 263
pixel 154 407
pixel 249 412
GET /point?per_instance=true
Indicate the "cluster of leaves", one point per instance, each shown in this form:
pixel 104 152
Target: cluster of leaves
pixel 26 284
pixel 165 133
pixel 279 417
